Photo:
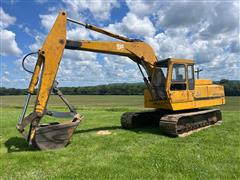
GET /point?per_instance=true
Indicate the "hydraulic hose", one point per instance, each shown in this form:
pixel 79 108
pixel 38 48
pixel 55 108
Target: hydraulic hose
pixel 23 62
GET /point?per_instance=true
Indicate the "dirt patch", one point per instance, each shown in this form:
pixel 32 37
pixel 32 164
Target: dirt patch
pixel 103 132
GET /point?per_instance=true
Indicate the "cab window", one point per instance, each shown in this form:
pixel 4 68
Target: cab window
pixel 190 77
pixel 160 75
pixel 178 77
pixel 178 73
pixel 159 79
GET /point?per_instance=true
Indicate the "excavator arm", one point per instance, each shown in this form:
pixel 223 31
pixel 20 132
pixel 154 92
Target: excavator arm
pixel 57 135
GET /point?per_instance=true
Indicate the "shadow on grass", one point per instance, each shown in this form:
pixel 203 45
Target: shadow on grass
pixel 97 129
pixel 148 129
pixel 151 128
pixel 17 144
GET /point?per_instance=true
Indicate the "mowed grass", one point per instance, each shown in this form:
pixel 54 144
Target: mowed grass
pixel 143 153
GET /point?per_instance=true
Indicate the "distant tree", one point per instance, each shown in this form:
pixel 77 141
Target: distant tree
pixel 223 81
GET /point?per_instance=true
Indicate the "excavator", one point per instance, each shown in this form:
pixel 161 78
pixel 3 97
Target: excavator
pixel 179 103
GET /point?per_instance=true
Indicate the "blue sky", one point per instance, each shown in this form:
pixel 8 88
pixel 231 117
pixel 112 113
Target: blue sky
pixel 207 32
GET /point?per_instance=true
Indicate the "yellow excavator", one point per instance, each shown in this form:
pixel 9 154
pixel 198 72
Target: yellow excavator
pixel 179 100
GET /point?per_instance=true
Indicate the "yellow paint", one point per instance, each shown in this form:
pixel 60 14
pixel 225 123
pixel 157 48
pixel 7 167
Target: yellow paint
pixel 205 91
pixel 203 81
pixel 175 106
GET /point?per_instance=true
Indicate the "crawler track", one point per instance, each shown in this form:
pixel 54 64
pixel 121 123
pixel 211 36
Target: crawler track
pixel 172 123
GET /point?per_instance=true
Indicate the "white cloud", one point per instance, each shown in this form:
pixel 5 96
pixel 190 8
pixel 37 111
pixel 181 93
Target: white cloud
pixel 144 7
pixel 48 20
pixel 82 68
pixel 133 25
pixel 234 46
pixel 224 19
pixel 208 19
pixel 77 67
pixel 205 51
pixel 37 45
pixel 8 43
pixel 5 77
pixel 166 46
pixel 78 33
pixel 10 77
pixel 182 14
pixel 223 66
pixel 100 9
pixel 121 69
pixel 76 55
pixel 6 19
pixel 4 74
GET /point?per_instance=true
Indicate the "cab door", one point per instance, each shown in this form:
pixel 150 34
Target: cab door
pixel 191 82
pixel 178 86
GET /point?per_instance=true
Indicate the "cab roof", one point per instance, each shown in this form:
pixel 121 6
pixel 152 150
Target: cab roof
pixel 175 60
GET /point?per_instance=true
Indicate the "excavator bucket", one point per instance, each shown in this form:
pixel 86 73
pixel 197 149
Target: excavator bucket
pixel 55 135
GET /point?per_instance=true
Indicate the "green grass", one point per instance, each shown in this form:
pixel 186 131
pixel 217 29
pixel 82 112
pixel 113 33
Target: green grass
pixel 142 153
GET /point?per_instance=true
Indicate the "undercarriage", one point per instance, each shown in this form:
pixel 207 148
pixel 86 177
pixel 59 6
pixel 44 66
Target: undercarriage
pixel 172 123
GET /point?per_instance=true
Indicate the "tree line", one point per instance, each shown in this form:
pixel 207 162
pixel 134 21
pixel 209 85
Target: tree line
pixel 232 88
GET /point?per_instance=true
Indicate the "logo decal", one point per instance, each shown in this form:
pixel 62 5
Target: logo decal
pixel 120 46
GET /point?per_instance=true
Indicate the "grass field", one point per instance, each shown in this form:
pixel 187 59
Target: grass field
pixel 142 153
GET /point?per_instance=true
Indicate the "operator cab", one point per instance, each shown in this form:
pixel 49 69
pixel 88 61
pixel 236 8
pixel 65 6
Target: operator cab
pixel 171 76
